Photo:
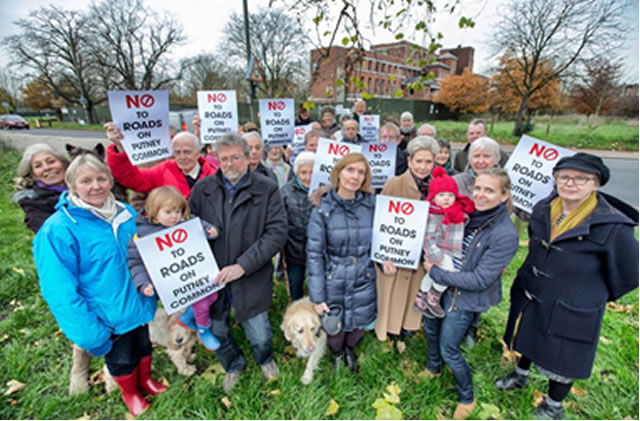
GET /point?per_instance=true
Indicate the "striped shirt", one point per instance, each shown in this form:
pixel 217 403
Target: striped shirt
pixel 466 241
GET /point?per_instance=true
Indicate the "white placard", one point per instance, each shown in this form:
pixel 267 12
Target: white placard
pixel 180 264
pixel 328 154
pixel 218 112
pixel 299 132
pixel 382 160
pixel 143 119
pixel 277 118
pixel 369 128
pixel 398 231
pixel 530 168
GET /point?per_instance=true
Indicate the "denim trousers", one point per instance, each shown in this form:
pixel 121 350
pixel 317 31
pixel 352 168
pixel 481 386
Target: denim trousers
pixel 295 272
pixel 444 337
pixel 127 351
pixel 257 330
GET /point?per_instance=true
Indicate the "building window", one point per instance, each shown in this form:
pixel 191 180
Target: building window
pixel 369 86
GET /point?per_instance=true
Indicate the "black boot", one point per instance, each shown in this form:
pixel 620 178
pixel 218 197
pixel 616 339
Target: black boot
pixel 351 359
pixel 512 381
pixel 548 412
pixel 337 358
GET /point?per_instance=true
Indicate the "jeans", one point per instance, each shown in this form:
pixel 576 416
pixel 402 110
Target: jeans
pixel 351 339
pixel 127 351
pixel 257 331
pixel 295 272
pixel 444 337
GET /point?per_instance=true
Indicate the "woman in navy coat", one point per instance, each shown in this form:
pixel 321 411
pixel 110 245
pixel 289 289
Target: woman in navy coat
pixel 582 254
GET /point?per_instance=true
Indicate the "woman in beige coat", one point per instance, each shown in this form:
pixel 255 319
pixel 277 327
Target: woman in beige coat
pixel 397 292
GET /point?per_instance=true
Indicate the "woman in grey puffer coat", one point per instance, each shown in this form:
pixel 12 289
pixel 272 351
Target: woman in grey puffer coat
pixel 338 248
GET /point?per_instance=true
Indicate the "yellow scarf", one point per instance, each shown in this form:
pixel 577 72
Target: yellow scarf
pixel 573 219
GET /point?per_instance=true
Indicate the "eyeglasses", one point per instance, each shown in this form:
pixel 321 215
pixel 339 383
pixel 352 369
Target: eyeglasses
pixel 228 159
pixel 579 180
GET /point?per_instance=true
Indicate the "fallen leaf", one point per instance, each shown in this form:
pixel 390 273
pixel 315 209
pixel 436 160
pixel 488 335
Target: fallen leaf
pixel 620 308
pixel 129 416
pixel 489 412
pixel 387 347
pixel 380 403
pixel 508 357
pixel 36 343
pixel 84 416
pixel 390 413
pixel 537 398
pixel 274 392
pixel 23 331
pixel 165 381
pixel 17 308
pixel 272 379
pixel 441 415
pixel 393 388
pixel 12 402
pixel 333 408
pixel 13 387
pixel 401 346
pixel 212 372
pixel 97 377
pixel 393 395
pixel 578 392
pixel 4 337
pixel 58 333
pixel 290 350
pixel 18 270
pixel 605 340
pixel 13 302
pixel 226 402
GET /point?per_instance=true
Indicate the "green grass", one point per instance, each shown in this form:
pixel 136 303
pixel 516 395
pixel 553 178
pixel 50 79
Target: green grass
pixel 63 125
pixel 610 135
pixel 32 354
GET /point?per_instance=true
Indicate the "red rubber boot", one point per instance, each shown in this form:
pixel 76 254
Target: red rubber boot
pixel 144 378
pixel 130 393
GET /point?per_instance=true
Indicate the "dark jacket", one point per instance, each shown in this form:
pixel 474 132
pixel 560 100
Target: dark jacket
pixel 407 137
pixel 563 287
pixel 357 140
pixel 38 204
pixel 401 161
pixel 478 285
pixel 338 264
pixel 253 229
pixel 138 271
pixel 267 172
pixel 298 208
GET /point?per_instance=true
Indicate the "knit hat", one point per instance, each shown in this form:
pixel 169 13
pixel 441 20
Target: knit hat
pixel 441 182
pixel 585 162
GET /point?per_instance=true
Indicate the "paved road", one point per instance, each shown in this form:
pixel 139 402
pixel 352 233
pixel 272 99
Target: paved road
pixel 624 166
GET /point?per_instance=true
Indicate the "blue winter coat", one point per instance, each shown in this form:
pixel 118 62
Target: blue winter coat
pixel 478 284
pixel 560 295
pixel 338 264
pixel 82 265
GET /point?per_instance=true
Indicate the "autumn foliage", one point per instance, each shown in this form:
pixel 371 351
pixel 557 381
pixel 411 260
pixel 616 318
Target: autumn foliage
pixel 464 93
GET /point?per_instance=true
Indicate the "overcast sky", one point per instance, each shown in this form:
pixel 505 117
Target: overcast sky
pixel 203 22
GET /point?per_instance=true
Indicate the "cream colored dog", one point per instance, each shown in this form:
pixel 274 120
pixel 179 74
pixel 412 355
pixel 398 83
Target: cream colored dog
pixel 302 327
pixel 178 341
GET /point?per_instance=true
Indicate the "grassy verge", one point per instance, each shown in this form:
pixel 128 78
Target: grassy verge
pixel 63 125
pixel 612 135
pixel 34 353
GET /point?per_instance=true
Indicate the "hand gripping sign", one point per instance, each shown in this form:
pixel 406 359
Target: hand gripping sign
pixel 277 119
pixel 530 168
pixel 369 128
pixel 218 112
pixel 180 264
pixel 143 119
pixel 382 160
pixel 398 231
pixel 327 155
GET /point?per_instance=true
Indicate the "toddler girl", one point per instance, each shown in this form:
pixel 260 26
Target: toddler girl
pixel 443 237
pixel 166 207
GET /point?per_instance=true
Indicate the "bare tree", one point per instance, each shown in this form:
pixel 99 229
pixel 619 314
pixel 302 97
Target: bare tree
pixel 598 90
pixel 53 44
pixel 132 43
pixel 9 88
pixel 203 72
pixel 558 32
pixel 277 43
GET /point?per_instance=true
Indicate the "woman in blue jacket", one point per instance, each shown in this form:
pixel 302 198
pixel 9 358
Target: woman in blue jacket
pixel 340 271
pixel 490 242
pixel 81 256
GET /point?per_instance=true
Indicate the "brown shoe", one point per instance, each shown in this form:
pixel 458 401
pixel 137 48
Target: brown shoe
pixel 464 409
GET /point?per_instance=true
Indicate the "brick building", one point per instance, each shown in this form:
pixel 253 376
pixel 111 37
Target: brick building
pixel 383 70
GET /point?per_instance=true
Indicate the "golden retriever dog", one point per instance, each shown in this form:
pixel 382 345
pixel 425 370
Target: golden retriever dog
pixel 178 341
pixel 302 327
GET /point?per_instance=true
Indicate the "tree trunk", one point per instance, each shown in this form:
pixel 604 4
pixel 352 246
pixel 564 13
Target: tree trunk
pixel 522 112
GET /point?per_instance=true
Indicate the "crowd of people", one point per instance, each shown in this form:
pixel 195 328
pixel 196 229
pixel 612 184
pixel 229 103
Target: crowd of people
pixel 255 203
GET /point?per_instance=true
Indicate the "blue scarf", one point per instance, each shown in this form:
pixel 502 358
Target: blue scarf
pixel 479 218
pixel 306 190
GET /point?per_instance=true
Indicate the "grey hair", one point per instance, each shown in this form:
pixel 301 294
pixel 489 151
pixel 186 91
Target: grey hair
pixel 406 116
pixel 85 160
pixel 390 126
pixel 421 143
pixel 485 144
pixel 351 121
pixel 304 158
pixel 310 134
pixel 24 172
pixel 190 136
pixel 427 126
pixel 232 139
pixel 247 135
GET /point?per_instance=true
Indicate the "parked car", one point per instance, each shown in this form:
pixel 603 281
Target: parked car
pixel 13 121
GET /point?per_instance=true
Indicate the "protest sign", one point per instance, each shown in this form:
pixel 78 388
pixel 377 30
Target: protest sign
pixel 328 154
pixel 277 118
pixel 530 168
pixel 143 119
pixel 398 231
pixel 382 160
pixel 180 264
pixel 218 114
pixel 369 126
pixel 299 133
